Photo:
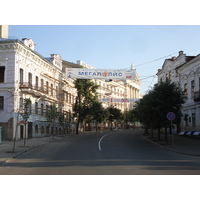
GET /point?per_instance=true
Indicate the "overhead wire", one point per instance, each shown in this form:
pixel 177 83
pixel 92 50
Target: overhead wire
pixel 156 59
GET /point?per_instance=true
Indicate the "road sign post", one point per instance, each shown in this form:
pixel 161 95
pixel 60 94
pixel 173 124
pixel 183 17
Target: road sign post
pixel 171 116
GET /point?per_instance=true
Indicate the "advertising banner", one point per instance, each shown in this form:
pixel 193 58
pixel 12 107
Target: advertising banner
pixel 82 73
pixel 119 100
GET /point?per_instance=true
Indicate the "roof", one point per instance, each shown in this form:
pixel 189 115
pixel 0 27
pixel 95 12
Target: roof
pixel 187 59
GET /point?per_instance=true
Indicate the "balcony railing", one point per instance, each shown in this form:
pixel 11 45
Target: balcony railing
pixel 197 96
pixel 26 85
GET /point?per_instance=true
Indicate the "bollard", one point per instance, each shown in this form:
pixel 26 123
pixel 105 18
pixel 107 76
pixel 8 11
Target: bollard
pixel 0 134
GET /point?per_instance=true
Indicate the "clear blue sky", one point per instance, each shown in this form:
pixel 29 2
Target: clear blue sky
pixel 114 46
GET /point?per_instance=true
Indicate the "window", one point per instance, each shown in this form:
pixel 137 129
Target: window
pixel 36 107
pixel 42 83
pixel 36 82
pixel 57 96
pixel 186 90
pixel 21 103
pixel 193 119
pixel 21 76
pixel 30 79
pixel 30 108
pixel 192 89
pixel 51 89
pixel 47 85
pixel 2 74
pixel 1 102
pixel 42 109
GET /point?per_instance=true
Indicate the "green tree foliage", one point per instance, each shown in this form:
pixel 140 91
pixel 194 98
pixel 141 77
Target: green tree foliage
pixel 128 116
pixel 52 115
pixel 26 109
pixel 26 113
pixel 113 114
pixel 86 95
pixel 98 112
pixel 153 108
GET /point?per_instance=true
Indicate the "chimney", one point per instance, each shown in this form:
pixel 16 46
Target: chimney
pixel 4 31
pixel 174 57
pixel 180 52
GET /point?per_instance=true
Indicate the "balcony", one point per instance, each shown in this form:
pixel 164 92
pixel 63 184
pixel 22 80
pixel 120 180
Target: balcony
pixel 33 89
pixel 197 96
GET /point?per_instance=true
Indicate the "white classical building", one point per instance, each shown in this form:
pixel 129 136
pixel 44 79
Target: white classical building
pixel 185 72
pixel 26 74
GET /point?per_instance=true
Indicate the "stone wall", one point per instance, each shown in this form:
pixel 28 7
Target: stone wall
pixel 7 129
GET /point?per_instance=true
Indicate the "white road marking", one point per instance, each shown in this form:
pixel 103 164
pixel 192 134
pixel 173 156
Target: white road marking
pixel 99 144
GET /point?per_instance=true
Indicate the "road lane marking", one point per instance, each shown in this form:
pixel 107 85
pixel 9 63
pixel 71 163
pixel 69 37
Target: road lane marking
pixel 99 144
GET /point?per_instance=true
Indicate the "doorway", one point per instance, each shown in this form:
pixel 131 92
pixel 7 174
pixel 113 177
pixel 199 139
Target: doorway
pixel 21 131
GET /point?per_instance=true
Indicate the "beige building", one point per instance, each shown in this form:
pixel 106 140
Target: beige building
pixel 4 31
pixel 116 89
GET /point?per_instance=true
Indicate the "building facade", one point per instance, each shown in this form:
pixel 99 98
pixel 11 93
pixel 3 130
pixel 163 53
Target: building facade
pixel 185 72
pixel 116 89
pixel 25 74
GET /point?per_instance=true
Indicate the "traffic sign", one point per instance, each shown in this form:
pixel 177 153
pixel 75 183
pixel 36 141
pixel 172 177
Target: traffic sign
pixel 171 116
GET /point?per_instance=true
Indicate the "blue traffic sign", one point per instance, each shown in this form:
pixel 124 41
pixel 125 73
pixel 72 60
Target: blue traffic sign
pixel 171 116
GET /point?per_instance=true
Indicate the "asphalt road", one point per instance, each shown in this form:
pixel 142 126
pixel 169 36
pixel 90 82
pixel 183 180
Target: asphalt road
pixel 114 153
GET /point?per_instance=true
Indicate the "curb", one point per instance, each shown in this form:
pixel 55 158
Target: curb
pixel 170 149
pixel 20 153
pixel 31 148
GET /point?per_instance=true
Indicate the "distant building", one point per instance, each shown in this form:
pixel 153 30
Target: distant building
pixel 116 90
pixel 4 31
pixel 185 72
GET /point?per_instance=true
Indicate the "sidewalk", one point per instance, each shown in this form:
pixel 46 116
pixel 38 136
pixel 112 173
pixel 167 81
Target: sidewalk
pixel 6 147
pixel 178 143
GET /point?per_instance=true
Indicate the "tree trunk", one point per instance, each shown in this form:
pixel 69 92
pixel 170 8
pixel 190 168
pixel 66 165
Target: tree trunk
pixel 25 135
pixel 77 126
pixel 159 134
pixel 111 126
pixel 96 124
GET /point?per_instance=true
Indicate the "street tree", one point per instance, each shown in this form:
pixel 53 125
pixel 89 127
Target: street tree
pixel 52 115
pixel 153 108
pixel 61 119
pixel 127 117
pixel 99 114
pixel 86 95
pixel 114 114
pixel 26 113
